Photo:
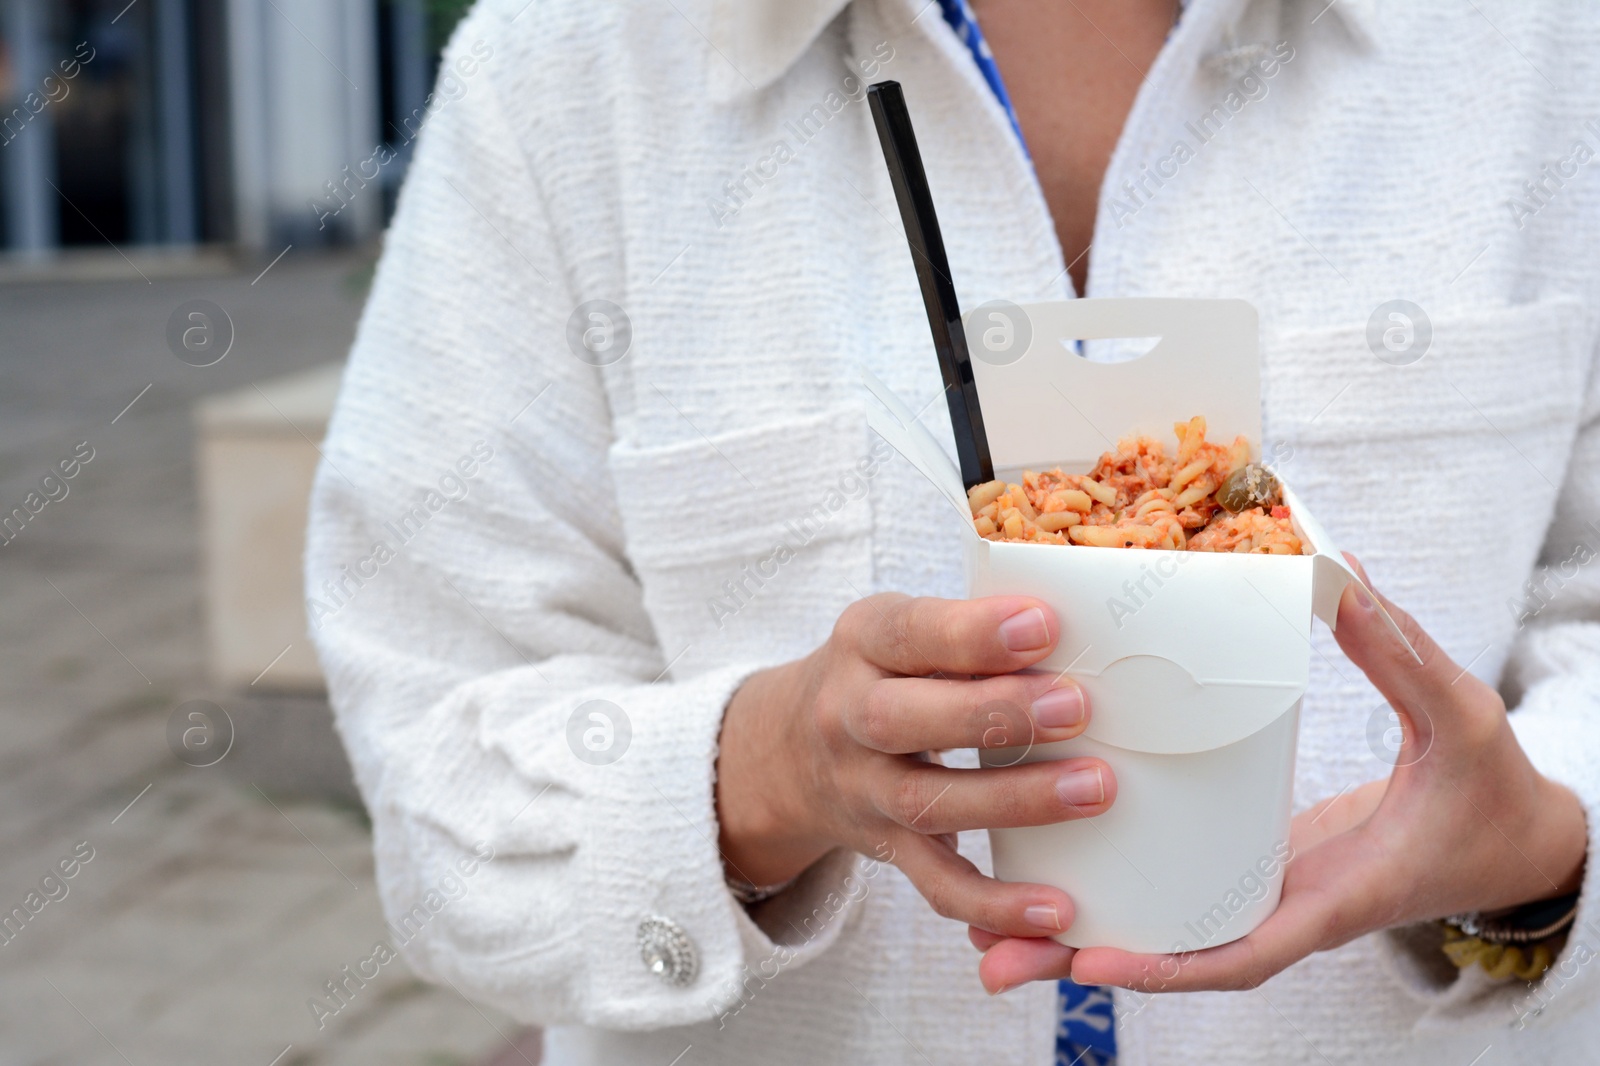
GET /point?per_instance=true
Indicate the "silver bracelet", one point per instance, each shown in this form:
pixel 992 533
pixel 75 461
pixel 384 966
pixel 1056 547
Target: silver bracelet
pixel 747 894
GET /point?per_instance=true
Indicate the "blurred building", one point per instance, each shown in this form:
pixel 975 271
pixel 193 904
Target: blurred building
pixel 255 123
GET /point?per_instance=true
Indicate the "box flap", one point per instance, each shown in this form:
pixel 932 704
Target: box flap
pixel 1045 406
pixel 900 427
pixel 1332 573
pixel 1177 651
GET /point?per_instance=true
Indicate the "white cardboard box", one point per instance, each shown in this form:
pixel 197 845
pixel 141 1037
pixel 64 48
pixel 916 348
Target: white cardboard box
pixel 1193 663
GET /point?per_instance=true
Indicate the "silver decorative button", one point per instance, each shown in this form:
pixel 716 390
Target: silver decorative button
pixel 666 951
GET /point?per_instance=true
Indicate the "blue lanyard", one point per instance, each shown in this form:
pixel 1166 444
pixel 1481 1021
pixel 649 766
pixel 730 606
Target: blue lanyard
pixel 960 18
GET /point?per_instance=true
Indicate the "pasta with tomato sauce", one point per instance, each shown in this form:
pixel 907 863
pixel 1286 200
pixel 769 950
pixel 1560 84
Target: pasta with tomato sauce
pixel 1204 497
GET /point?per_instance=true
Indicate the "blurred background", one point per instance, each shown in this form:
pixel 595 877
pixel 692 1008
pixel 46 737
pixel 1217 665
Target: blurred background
pixel 192 193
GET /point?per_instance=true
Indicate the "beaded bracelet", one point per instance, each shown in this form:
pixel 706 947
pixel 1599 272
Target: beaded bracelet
pixel 1522 943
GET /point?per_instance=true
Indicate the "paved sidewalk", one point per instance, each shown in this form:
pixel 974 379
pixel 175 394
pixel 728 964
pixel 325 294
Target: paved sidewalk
pixel 209 910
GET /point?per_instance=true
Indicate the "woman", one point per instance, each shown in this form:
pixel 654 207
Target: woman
pixel 622 591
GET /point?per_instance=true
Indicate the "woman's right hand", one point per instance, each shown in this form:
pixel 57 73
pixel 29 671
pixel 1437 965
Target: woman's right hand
pixel 835 750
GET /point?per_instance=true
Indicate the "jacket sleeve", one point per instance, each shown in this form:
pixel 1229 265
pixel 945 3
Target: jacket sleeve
pixel 539 782
pixel 1552 684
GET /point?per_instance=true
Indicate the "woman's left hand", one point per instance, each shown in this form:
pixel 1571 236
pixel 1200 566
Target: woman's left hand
pixel 1463 823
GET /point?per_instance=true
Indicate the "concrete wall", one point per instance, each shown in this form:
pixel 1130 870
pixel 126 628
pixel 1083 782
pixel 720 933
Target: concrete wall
pixel 256 456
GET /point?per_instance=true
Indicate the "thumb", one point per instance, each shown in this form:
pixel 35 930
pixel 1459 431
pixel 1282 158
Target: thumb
pixel 1409 682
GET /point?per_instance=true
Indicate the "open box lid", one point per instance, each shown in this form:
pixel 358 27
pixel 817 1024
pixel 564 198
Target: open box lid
pixel 1224 648
pixel 1047 406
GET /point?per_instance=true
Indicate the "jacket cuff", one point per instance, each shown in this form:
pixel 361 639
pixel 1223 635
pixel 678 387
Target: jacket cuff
pixel 650 852
pixel 794 927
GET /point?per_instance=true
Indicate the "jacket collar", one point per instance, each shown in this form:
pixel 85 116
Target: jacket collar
pixel 758 40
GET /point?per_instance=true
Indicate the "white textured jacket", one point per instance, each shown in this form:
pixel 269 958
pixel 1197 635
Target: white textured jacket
pixel 504 533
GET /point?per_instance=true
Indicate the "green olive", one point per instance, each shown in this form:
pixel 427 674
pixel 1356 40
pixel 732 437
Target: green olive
pixel 1252 485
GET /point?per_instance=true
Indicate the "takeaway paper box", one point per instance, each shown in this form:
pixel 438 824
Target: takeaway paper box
pixel 1194 663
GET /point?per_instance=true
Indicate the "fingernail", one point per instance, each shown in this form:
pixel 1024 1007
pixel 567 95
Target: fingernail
pixel 1002 990
pixel 1363 597
pixel 1081 788
pixel 1060 708
pixel 1043 916
pixel 1025 631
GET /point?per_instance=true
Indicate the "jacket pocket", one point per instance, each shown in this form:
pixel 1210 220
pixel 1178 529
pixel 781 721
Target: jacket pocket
pixel 1443 469
pixel 1483 371
pixel 749 544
